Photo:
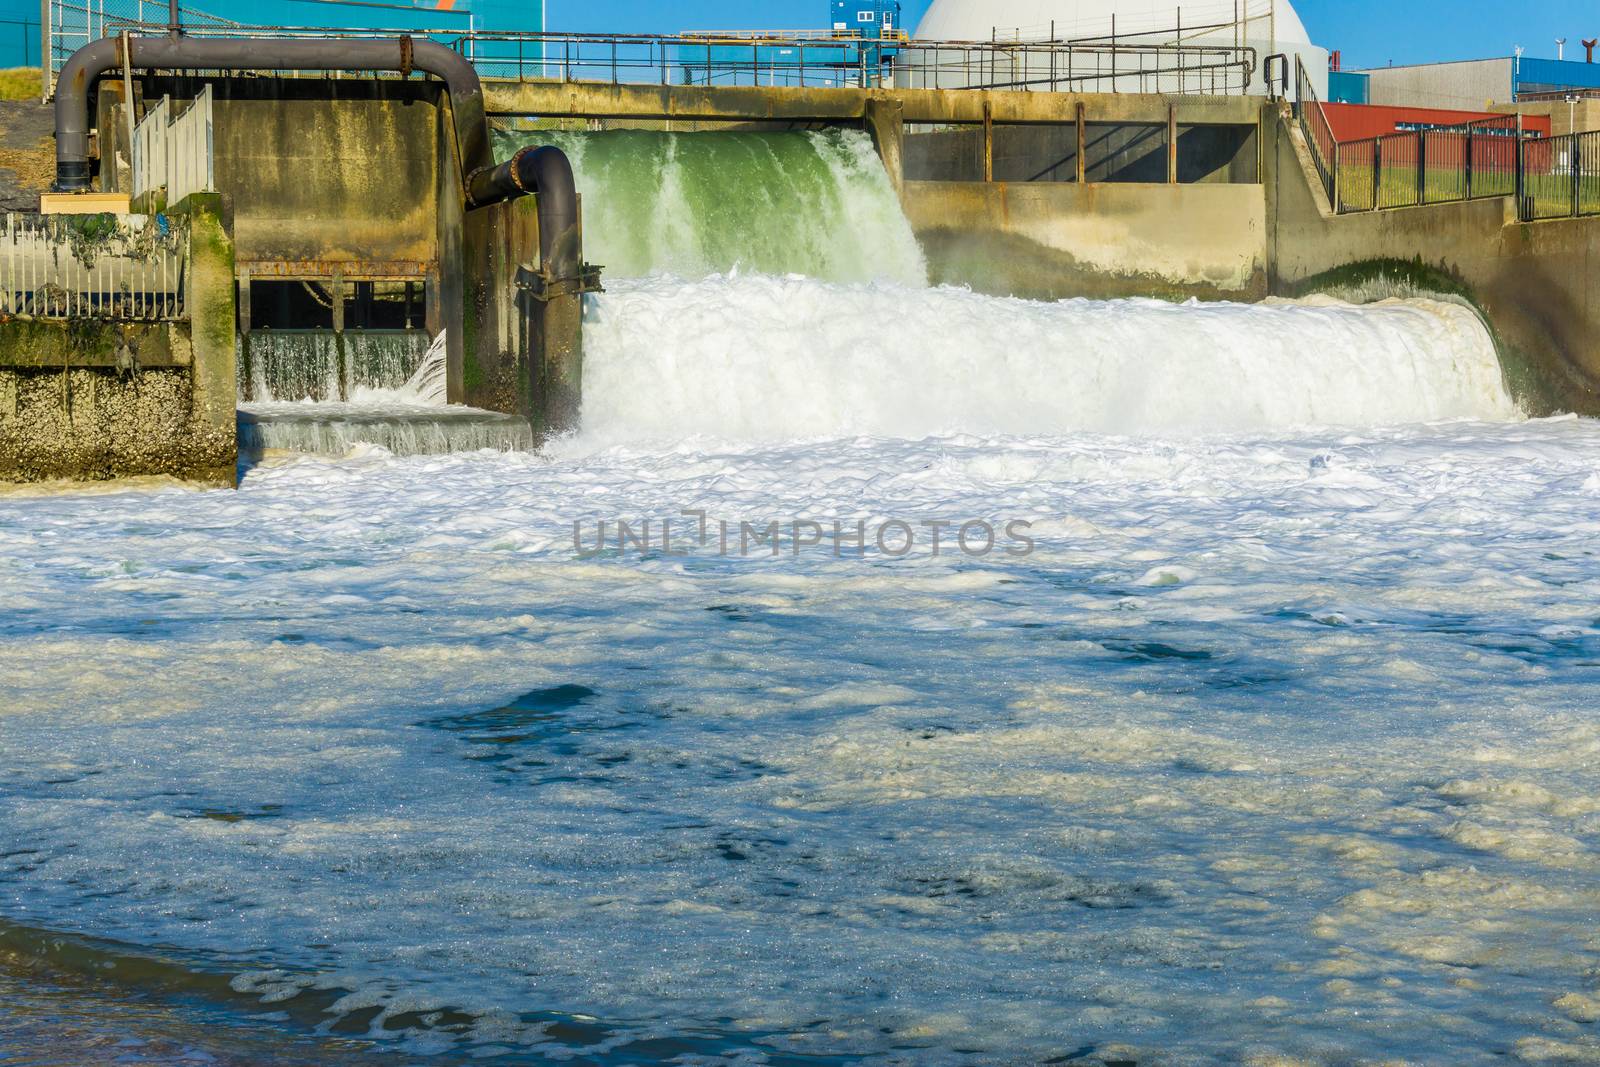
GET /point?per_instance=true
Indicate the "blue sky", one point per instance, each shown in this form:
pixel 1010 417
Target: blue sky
pixel 1370 32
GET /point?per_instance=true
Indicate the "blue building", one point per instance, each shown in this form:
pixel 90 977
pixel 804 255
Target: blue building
pixel 869 19
pixel 1347 88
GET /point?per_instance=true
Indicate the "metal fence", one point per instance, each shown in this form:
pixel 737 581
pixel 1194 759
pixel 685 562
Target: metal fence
pixel 175 153
pixel 75 23
pixel 1560 177
pixel 1437 165
pixel 132 268
pixel 1210 59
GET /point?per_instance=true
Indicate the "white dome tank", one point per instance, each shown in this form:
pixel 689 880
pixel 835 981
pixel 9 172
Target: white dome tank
pixel 1268 26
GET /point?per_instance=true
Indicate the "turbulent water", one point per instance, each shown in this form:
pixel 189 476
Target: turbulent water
pixel 817 204
pixel 782 358
pixel 883 675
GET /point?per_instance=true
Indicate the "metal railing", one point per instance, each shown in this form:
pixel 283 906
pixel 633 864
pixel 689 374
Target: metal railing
pixel 1318 131
pixel 1210 57
pixel 175 154
pixel 1475 161
pixel 824 61
pixel 75 23
pixel 131 269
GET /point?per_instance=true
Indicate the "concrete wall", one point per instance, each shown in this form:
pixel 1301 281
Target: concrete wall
pixel 1564 118
pixel 349 176
pixel 1537 284
pixel 789 104
pixel 330 170
pixel 1049 241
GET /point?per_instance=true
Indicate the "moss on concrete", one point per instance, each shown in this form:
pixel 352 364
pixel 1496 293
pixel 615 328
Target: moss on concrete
pixel 90 343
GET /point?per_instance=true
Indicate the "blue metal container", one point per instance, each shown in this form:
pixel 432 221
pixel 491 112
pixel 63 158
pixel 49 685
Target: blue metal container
pixel 869 19
pixel 1345 87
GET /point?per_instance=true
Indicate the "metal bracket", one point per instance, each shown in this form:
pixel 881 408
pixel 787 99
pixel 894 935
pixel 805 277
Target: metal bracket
pixel 540 286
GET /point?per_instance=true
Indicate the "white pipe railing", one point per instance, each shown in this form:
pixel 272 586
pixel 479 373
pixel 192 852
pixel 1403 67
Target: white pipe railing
pixel 123 268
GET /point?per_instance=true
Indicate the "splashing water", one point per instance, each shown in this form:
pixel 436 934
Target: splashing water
pixel 758 358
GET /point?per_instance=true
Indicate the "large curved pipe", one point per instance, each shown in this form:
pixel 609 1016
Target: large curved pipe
pixel 546 172
pixel 402 54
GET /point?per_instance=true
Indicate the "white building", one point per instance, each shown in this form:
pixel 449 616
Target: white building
pixel 1270 27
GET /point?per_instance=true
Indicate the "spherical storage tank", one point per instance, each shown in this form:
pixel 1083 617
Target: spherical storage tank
pixel 1268 26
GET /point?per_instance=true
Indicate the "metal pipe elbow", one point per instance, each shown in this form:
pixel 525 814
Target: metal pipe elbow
pixel 545 172
pixel 77 77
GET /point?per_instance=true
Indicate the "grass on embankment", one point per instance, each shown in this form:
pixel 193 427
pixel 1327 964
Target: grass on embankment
pixel 20 83
pixel 1551 192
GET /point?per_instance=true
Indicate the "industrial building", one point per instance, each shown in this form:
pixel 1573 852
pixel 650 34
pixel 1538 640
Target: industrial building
pixel 1473 85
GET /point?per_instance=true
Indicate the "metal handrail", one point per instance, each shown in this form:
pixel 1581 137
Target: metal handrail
pixel 826 59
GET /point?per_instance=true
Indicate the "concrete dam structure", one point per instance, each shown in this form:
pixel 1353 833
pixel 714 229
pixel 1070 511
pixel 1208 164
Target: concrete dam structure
pixel 341 228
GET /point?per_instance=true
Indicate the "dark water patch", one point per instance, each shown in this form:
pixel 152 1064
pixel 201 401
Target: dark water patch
pixel 1156 652
pixel 228 815
pixel 566 733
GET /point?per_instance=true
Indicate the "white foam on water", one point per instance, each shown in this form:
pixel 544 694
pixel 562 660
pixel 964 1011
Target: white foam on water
pixel 1292 729
pixel 752 357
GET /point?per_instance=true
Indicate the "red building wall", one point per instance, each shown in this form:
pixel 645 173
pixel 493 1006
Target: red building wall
pixel 1359 122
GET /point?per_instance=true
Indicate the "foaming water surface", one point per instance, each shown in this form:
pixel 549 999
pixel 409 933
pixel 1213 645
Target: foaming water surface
pixel 1294 730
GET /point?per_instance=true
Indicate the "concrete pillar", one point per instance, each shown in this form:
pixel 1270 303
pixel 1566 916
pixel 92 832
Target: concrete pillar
pixel 451 289
pixel 886 124
pixel 1172 144
pixel 988 140
pixel 346 370
pixel 1083 144
pixel 245 376
pixel 213 318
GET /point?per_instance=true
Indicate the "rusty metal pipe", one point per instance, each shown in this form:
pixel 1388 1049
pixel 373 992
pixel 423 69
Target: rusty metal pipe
pixel 402 55
pixel 544 172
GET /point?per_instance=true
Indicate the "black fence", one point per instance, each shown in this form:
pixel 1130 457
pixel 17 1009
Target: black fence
pixel 1550 177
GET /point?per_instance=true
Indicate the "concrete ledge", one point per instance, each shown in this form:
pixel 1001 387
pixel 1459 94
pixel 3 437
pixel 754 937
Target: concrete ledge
pixel 790 104
pixel 90 343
